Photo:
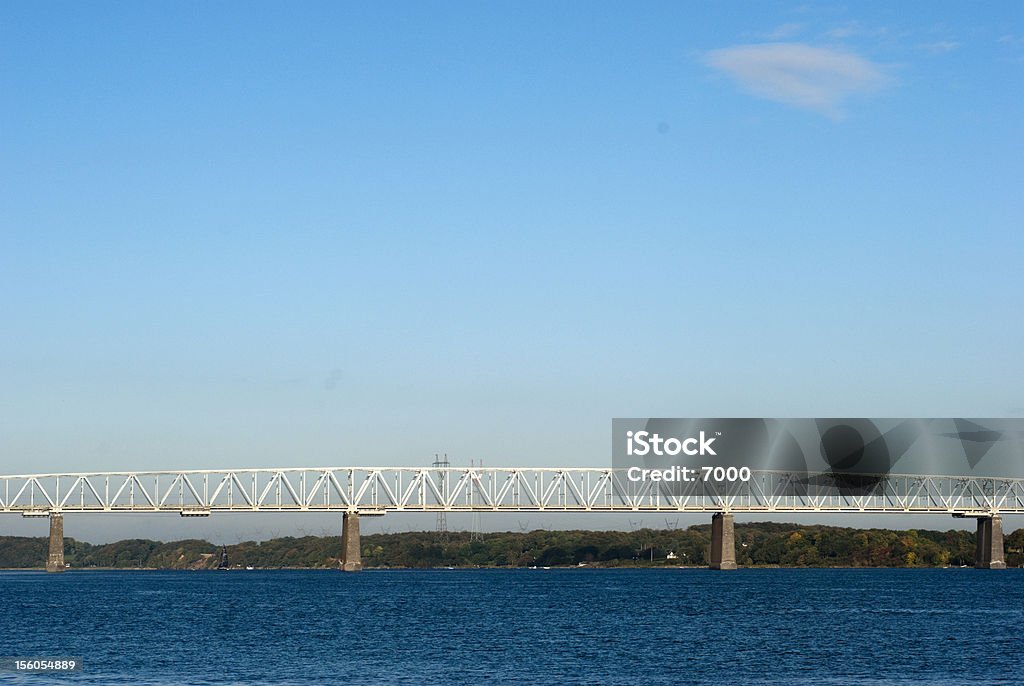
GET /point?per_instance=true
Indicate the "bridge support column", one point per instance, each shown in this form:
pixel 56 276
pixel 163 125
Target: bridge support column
pixel 351 557
pixel 723 542
pixel 988 551
pixel 55 557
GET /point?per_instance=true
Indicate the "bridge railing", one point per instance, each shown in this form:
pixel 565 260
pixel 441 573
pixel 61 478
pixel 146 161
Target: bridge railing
pixel 396 489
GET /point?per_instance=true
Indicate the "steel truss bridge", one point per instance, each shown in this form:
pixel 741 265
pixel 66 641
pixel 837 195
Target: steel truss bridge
pixel 377 490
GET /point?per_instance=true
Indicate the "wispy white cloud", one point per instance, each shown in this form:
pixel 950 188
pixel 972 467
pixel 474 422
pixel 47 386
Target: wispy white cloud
pixel 818 79
pixel 856 29
pixel 939 47
pixel 783 31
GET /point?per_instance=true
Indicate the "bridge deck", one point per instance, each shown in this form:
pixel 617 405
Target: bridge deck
pixel 395 489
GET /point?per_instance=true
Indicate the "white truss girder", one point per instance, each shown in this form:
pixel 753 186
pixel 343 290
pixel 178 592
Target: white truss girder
pixel 397 489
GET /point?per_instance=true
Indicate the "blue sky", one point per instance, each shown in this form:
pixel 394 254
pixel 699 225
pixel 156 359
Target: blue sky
pixel 259 235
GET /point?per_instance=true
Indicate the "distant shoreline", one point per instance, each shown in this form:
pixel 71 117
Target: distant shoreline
pixel 758 545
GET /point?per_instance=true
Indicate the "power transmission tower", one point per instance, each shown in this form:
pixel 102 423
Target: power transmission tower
pixel 474 533
pixel 442 465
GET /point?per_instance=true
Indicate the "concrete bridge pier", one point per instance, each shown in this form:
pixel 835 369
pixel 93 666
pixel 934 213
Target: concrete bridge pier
pixel 55 557
pixel 351 557
pixel 988 552
pixel 723 542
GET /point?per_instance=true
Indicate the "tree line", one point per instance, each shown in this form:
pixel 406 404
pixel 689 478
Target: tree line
pixel 757 544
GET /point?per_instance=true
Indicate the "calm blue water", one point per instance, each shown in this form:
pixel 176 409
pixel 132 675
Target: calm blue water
pixel 521 627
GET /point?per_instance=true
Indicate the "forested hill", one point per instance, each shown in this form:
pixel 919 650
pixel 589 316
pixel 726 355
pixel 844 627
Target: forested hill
pixel 756 544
